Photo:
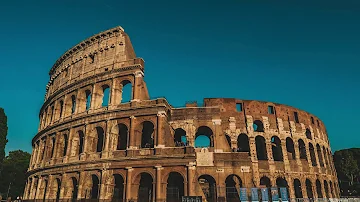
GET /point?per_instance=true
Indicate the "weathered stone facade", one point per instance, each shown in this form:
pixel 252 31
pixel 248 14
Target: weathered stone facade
pixel 86 148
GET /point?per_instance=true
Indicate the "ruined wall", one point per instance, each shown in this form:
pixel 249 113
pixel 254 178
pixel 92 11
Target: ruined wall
pixel 85 143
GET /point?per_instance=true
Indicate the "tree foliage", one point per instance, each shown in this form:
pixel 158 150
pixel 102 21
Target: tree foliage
pixel 3 134
pixel 347 164
pixel 14 173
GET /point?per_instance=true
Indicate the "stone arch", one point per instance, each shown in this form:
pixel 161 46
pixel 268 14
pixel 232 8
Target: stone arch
pixel 243 143
pixel 319 152
pixel 265 181
pixel 87 100
pixel 126 91
pixel 276 148
pixel 75 189
pixel 145 188
pixel 105 95
pixel 66 142
pixel 309 188
pixel 70 104
pixel 261 148
pixel 147 134
pixel 180 137
pixel 45 188
pixel 58 188
pixel 326 160
pixel 312 154
pixel 308 134
pixel 258 126
pixel 302 149
pixel 81 142
pixel 53 143
pixel 175 187
pixel 95 187
pixel 297 188
pixel 326 188
pixel 118 192
pixel 233 183
pixel 204 132
pixel 100 136
pixel 122 136
pixel 281 182
pixel 290 148
pixel 73 104
pixel 208 186
pixel 318 189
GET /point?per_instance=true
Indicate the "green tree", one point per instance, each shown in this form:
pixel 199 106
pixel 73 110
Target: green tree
pixel 347 164
pixel 3 134
pixel 14 173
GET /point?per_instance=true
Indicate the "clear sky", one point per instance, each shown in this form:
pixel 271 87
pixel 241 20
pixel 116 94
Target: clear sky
pixel 304 54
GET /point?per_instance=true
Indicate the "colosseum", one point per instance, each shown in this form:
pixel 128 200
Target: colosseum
pixel 93 143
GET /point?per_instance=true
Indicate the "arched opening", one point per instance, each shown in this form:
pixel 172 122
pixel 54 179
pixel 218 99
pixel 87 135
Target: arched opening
pixel 309 190
pixel 318 189
pixel 326 160
pixel 265 181
pixel 52 114
pixel 290 148
pixel 180 137
pixel 233 184
pixel 75 189
pixel 95 187
pixel 208 186
pixel 147 137
pixel 326 188
pixel 258 126
pixel 61 108
pixel 319 152
pixel 81 142
pixel 297 188
pixel 88 99
pixel 282 183
pixel 175 187
pixel 53 139
pixel 145 193
pixel 243 143
pixel 106 96
pixel 122 137
pixel 118 193
pixel 73 104
pixel 276 148
pixel 312 154
pixel 45 188
pixel 100 139
pixel 66 141
pixel 261 148
pixel 58 187
pixel 228 140
pixel 204 137
pixel 308 134
pixel 126 91
pixel 302 149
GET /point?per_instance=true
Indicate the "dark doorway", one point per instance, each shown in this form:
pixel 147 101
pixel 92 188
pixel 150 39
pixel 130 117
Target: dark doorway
pixel 175 187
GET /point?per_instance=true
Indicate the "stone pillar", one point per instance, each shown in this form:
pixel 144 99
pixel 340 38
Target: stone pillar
pixel 160 140
pixel 217 132
pixel 107 147
pixel 285 155
pixel 116 93
pixel 128 195
pixel 191 169
pixel 297 154
pixel 313 187
pixel 137 85
pixel 32 189
pixel 105 193
pixel 158 184
pixel 290 182
pixel 94 99
pixel 81 185
pixel 131 137
pixel 303 187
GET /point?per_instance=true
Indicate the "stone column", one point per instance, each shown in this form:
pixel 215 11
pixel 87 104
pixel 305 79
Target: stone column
pixel 116 93
pixel 107 147
pixel 128 183
pixel 297 155
pixel 32 188
pixel 94 99
pixel 303 187
pixel 105 194
pixel 217 132
pixel 158 184
pixel 160 140
pixel 131 137
pixel 137 85
pixel 191 169
pixel 290 182
pixel 285 155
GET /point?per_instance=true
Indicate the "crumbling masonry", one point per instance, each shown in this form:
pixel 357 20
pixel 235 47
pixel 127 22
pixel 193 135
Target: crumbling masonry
pixel 92 144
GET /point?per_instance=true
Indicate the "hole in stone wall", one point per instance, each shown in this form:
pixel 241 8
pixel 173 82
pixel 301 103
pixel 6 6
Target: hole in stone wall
pixel 258 126
pixel 296 117
pixel 239 107
pixel 271 110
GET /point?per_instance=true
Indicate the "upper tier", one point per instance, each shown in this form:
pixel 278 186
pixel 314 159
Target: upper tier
pixel 102 52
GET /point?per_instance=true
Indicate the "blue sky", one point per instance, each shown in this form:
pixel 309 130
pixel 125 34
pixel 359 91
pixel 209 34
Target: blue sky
pixel 304 54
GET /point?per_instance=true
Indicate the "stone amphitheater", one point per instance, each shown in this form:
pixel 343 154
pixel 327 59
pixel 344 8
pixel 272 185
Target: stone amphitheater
pixel 92 143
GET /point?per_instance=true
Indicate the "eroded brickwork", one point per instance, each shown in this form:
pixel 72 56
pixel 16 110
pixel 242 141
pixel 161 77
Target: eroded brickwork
pixel 91 147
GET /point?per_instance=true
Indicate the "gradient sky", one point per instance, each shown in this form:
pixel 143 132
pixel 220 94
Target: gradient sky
pixel 304 54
